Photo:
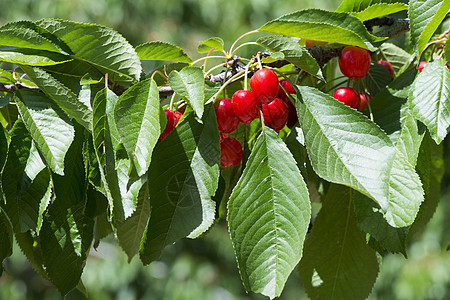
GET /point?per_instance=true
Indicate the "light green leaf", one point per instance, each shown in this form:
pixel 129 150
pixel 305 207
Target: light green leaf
pixel 447 51
pixel 62 95
pixel 268 216
pixel 379 10
pixel 31 57
pixel 429 99
pixel 183 176
pixel 425 16
pixel 162 51
pixel 293 52
pixel 49 127
pixel 189 84
pixel 337 263
pixel 215 43
pixel 360 5
pixel 345 147
pixel 26 34
pixel 99 46
pixel 140 121
pixel 131 231
pixel 323 25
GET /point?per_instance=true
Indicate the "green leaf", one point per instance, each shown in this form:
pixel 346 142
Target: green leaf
pixel 50 128
pixel 377 78
pixel 183 176
pixel 345 147
pixel 13 170
pixel 215 43
pixel 429 99
pixel 337 263
pixel 31 57
pixel 99 46
pixel 31 248
pixel 140 121
pixel 323 25
pixel 65 238
pixel 189 84
pixel 106 139
pixel 395 55
pixel 62 95
pixel 431 169
pixel 162 51
pixel 425 16
pixel 131 231
pixel 6 237
pixel 4 144
pixel 293 52
pixel 379 10
pixel 268 216
pixel 26 34
pixel 371 221
pixel 360 5
pixel 391 112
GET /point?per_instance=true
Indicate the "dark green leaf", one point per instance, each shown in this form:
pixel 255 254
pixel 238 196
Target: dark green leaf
pixel 323 25
pixel 6 237
pixel 377 78
pixel 140 121
pixel 50 128
pixel 447 51
pixel 429 99
pixel 162 51
pixel 215 43
pixel 100 46
pixel 425 16
pixel 183 176
pixel 337 263
pixel 268 216
pixel 293 52
pixel 189 83
pixel 13 170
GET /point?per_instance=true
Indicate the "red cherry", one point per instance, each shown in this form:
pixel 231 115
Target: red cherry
pixel 388 67
pixel 245 106
pixel 275 114
pixel 292 113
pixel 264 84
pixel 363 101
pixel 172 121
pixel 230 152
pixel 226 118
pixel 354 62
pixel 287 86
pixel 348 96
pixel 422 65
pixel 312 43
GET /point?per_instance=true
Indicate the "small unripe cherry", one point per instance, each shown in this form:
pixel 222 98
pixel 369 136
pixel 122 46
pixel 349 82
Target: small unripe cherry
pixel 275 114
pixel 354 62
pixel 422 65
pixel 264 84
pixel 348 96
pixel 363 101
pixel 226 118
pixel 230 151
pixel 172 121
pixel 311 43
pixel 388 67
pixel 245 106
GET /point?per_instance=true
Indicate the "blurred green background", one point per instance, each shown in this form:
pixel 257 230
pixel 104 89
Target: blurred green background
pixel 206 268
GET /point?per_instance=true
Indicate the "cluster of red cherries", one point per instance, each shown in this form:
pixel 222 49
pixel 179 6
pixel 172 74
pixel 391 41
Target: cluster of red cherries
pixel 268 93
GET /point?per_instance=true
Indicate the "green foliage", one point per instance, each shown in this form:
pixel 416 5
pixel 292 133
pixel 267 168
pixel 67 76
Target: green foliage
pixel 82 156
pixel 268 215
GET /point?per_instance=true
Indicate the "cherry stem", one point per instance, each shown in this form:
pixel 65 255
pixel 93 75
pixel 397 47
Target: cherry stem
pixel 259 61
pixel 243 45
pixel 171 101
pixel 246 75
pixel 368 102
pixel 215 68
pixel 206 58
pixel 235 77
pixel 159 73
pixel 238 39
pixel 335 86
